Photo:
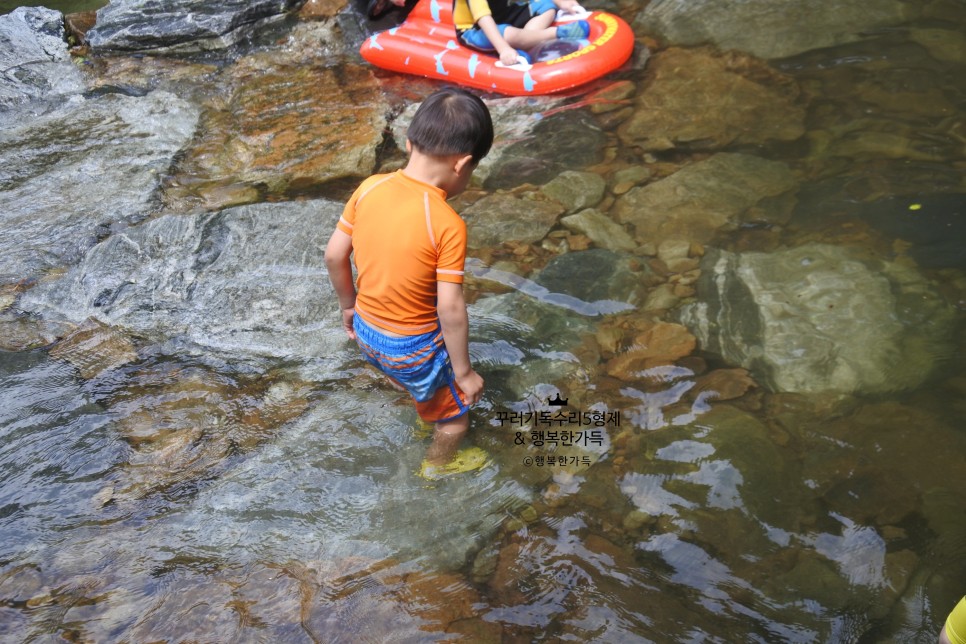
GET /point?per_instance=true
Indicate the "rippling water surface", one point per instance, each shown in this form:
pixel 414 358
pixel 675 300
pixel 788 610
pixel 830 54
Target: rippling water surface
pixel 196 499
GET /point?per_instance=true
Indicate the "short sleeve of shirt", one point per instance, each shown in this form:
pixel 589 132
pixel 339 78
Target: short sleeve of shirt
pixel 466 13
pixel 348 218
pixel 451 252
pixel 479 8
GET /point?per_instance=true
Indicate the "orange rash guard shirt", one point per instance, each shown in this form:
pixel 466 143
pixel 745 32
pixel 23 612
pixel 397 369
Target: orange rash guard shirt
pixel 405 238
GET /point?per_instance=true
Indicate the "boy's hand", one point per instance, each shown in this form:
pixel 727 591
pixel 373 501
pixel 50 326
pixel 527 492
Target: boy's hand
pixel 471 384
pixel 570 6
pixel 508 56
pixel 347 315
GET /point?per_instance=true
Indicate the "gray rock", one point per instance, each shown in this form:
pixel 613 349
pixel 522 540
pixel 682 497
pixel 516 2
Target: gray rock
pixel 817 319
pixel 769 28
pixel 248 280
pixel 943 44
pixel 601 230
pixel 626 178
pixel 67 176
pixel 184 25
pixel 569 140
pixel 559 289
pixel 34 62
pixel 671 250
pixel 701 100
pixel 576 190
pixel 742 442
pixel 550 314
pixel 594 275
pixel 500 218
pixel 700 199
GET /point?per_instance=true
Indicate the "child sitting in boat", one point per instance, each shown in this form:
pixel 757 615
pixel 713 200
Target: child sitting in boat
pixel 511 27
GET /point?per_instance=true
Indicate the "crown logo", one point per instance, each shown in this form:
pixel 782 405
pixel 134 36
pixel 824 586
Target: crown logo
pixel 557 402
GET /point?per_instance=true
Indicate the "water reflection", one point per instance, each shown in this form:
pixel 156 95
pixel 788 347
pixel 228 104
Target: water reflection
pixel 542 294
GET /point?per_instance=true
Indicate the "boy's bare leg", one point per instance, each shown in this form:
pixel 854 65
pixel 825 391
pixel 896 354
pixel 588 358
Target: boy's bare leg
pixel 536 31
pixel 527 38
pixel 542 21
pixel 446 439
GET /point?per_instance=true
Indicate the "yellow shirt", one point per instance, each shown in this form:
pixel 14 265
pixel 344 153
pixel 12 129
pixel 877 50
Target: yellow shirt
pixel 466 13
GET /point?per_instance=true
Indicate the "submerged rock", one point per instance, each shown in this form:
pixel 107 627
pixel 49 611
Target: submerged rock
pixel 499 218
pixel 907 482
pixel 21 333
pixel 744 442
pixel 576 190
pixel 943 44
pixel 701 100
pixel 33 57
pixel 183 424
pixel 179 24
pixel 67 176
pixel 816 318
pixel 249 280
pixel 766 28
pixel 725 384
pixel 700 199
pixel 94 348
pixel 568 140
pixel 661 344
pixel 594 275
pixel 601 229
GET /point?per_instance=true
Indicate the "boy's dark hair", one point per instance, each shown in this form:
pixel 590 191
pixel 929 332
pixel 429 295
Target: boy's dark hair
pixel 452 121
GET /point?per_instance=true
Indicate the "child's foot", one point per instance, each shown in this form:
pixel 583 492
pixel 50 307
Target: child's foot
pixel 576 30
pixel 466 460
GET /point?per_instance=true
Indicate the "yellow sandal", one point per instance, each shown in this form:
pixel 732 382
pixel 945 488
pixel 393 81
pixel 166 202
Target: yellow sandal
pixel 466 460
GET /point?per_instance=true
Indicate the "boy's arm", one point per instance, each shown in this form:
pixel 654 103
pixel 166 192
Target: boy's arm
pixel 454 322
pixel 508 55
pixel 337 254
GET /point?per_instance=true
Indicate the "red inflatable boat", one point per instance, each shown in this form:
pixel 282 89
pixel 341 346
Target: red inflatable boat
pixel 426 45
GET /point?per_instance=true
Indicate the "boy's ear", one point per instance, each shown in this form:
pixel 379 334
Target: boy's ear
pixel 463 162
pixel 409 146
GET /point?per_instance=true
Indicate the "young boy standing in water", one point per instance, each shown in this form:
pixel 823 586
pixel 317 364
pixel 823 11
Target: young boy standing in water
pixel 406 310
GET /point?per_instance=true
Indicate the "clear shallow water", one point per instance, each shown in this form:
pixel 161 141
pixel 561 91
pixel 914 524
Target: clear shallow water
pixel 174 498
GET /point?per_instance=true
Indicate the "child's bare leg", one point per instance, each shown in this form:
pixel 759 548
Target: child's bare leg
pixel 527 38
pixel 541 21
pixel 446 439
